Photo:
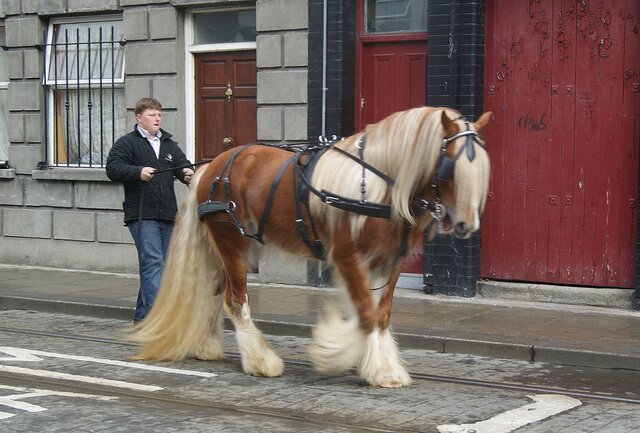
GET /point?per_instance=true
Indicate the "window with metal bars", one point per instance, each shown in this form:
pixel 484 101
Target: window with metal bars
pixel 84 76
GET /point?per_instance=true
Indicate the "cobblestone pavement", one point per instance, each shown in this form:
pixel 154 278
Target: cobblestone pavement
pixel 300 401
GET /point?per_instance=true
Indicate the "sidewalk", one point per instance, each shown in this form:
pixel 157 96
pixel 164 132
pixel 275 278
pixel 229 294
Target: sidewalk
pixel 561 334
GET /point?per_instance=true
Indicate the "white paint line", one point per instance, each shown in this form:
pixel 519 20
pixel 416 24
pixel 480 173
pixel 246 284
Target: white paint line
pixel 543 406
pixel 46 392
pixel 5 415
pixel 10 401
pixel 19 354
pixel 77 378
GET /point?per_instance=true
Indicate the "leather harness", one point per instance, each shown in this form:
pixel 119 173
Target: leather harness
pixel 304 161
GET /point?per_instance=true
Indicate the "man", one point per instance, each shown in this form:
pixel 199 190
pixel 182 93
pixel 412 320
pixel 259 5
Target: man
pixel 137 159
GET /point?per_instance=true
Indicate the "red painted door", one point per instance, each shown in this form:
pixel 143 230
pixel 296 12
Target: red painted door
pixel 562 78
pixel 391 66
pixel 225 101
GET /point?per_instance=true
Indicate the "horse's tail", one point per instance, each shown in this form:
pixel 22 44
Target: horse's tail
pixel 186 317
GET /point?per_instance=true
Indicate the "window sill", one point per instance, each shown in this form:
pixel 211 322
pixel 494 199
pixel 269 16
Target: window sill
pixel 84 174
pixel 7 173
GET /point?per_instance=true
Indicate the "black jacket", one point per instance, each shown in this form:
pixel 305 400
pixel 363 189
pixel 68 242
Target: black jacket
pixel 146 200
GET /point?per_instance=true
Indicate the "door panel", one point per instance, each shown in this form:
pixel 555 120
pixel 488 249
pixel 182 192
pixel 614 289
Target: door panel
pixel 219 115
pixel 564 142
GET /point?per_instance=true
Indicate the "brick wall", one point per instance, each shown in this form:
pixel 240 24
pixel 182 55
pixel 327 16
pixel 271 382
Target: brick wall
pixel 455 67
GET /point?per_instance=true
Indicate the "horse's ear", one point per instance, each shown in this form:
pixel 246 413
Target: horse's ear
pixel 483 121
pixel 449 126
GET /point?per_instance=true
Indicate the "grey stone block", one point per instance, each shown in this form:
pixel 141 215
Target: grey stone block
pixel 139 54
pixel 16 66
pixel 24 95
pixel 15 127
pixel 278 267
pixel 93 256
pixel 274 15
pixel 25 158
pixel 92 5
pixel 10 7
pixel 34 128
pixel 28 223
pixel 295 123
pixel 53 194
pixel 32 67
pixel 24 31
pixel 282 87
pixel 74 225
pixel 165 91
pixel 92 195
pixel 136 88
pixel 296 51
pixel 269 51
pixel 111 228
pixel 163 23
pixel 11 192
pixel 270 123
pixel 136 26
pixel 44 7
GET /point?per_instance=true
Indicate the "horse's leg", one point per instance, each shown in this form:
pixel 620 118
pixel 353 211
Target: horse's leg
pixel 381 364
pixel 339 334
pixel 257 357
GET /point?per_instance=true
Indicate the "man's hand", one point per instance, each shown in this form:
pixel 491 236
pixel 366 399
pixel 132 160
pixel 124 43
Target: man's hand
pixel 147 174
pixel 187 175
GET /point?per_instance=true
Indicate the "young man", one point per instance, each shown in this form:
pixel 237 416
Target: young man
pixel 150 206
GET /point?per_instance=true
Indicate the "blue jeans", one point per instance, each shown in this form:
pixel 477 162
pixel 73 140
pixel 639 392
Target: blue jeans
pixel 152 242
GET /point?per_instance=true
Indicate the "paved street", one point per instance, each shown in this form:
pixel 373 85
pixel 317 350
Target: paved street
pixel 45 353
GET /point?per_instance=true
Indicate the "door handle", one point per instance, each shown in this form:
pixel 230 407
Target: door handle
pixel 228 142
pixel 229 92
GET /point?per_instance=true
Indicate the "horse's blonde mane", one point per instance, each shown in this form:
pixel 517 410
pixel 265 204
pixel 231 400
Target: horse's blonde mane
pixel 404 146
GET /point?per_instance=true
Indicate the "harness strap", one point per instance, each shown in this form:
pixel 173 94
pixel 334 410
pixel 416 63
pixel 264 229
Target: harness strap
pixel 269 204
pixel 365 164
pixel 316 246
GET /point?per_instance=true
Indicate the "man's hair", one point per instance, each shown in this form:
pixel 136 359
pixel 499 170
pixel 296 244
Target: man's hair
pixel 147 104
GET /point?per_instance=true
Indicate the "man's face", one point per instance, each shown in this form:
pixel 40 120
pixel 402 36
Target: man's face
pixel 150 120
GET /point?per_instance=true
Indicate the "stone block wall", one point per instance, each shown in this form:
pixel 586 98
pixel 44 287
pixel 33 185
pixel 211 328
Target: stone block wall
pixel 282 61
pixel 72 218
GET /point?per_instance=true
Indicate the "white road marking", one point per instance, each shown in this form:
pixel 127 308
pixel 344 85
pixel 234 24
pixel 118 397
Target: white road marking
pixel 543 406
pixel 20 354
pixel 77 378
pixel 12 400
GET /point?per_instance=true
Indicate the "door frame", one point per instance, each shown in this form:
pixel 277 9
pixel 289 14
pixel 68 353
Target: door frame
pixel 190 50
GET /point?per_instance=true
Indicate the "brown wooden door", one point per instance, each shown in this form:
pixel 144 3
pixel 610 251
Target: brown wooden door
pixel 564 144
pixel 225 101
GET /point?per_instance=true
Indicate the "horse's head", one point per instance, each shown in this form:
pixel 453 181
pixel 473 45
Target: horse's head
pixel 462 177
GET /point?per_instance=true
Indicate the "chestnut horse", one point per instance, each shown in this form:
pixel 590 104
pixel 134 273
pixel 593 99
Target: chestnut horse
pixel 417 167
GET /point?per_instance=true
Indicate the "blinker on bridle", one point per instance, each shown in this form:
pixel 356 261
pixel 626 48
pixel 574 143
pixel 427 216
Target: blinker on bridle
pixel 446 166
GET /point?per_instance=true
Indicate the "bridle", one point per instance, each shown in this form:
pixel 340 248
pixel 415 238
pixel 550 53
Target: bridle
pixel 445 167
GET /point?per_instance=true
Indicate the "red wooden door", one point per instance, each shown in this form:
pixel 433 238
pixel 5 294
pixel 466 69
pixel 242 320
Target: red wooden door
pixel 562 78
pixel 391 66
pixel 394 78
pixel 225 101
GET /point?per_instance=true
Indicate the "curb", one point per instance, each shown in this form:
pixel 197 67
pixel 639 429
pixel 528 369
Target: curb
pixel 440 344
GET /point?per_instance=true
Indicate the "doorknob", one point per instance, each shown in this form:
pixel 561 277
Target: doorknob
pixel 228 142
pixel 229 92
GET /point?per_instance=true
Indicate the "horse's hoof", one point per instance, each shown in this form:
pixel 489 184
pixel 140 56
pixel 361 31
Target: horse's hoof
pixel 391 383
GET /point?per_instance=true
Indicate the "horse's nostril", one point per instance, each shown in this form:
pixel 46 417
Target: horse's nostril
pixel 462 228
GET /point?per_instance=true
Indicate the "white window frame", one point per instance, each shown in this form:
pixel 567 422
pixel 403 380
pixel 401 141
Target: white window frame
pixel 49 83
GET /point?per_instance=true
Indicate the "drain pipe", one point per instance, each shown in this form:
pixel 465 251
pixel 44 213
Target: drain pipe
pixel 324 67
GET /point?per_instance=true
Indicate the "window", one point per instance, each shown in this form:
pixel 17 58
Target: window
pixel 392 16
pixel 224 27
pixel 4 86
pixel 85 82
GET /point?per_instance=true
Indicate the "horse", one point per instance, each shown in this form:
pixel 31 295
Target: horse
pixel 370 198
